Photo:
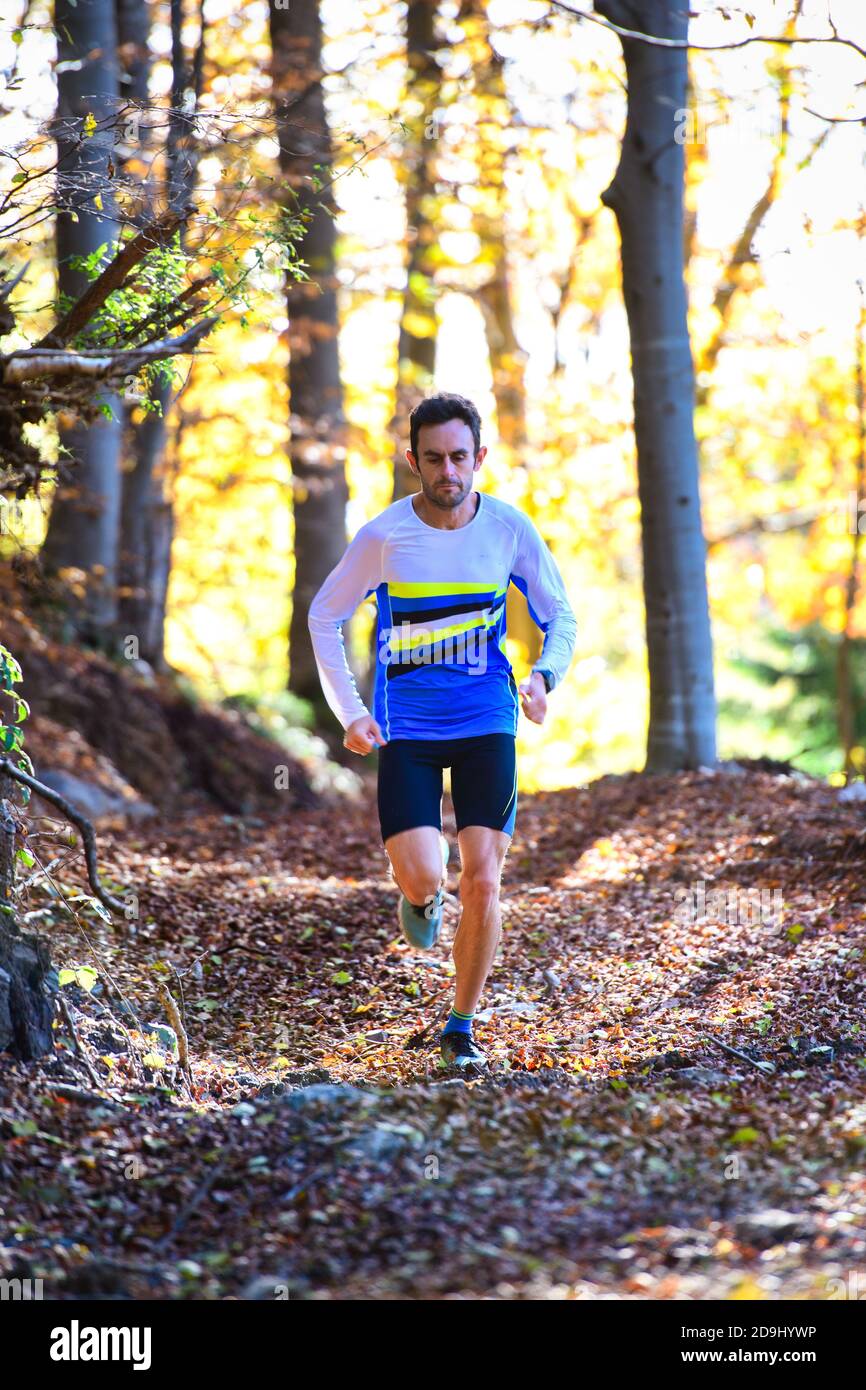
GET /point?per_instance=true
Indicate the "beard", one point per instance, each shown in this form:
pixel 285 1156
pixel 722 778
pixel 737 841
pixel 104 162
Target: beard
pixel 445 497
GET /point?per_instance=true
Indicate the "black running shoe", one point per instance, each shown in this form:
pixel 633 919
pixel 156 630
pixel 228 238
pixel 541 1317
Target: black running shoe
pixel 460 1050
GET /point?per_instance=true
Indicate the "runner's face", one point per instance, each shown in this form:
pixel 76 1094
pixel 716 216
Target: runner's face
pixel 446 462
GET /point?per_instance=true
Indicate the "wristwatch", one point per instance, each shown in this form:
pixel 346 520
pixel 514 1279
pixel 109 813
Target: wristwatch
pixel 545 676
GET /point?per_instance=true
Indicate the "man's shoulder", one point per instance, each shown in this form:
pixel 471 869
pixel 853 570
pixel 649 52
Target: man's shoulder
pixel 507 514
pixel 380 526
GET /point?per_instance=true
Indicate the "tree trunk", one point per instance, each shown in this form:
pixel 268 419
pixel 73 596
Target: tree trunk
pixel 318 434
pixel 147 516
pixel 419 324
pixel 25 1005
pixel 147 524
pixel 846 691
pixel 507 358
pixel 416 348
pixel 83 526
pixel 647 197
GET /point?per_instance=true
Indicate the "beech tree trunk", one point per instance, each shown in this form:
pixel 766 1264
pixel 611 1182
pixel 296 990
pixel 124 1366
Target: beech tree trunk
pixel 416 348
pixel 507 358
pixel 647 197
pixel 147 513
pixel 318 433
pixel 83 527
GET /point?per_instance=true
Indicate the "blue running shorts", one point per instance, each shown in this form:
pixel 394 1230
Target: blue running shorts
pixel 483 782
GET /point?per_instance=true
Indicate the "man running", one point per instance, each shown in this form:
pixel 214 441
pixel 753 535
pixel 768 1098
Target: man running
pixel 440 563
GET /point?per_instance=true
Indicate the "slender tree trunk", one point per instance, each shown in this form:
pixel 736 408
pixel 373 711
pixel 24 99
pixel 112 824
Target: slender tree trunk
pixel 133 40
pixel 647 197
pixel 147 516
pixel 83 527
pixel 847 705
pixel 419 323
pixel 143 439
pixel 507 358
pixel 416 348
pixel 318 435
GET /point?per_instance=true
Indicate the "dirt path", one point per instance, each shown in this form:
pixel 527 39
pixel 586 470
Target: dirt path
pixel 617 1147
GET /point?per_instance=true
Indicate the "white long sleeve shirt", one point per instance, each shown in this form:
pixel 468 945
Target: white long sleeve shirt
pixel 441 669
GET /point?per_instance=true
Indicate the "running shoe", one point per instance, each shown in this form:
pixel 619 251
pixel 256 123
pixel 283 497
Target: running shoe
pixel 421 925
pixel 460 1050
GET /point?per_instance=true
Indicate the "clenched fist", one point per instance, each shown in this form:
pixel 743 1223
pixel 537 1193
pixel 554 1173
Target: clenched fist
pixel 534 696
pixel 363 734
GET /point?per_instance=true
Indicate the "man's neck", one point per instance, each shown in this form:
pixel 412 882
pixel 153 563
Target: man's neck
pixel 446 518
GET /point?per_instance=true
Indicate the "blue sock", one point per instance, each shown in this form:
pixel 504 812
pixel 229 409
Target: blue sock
pixel 458 1023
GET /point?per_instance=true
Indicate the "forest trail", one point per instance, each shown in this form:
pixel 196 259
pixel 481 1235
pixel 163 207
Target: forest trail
pixel 616 1148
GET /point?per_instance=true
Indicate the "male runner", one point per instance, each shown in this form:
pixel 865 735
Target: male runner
pixel 440 564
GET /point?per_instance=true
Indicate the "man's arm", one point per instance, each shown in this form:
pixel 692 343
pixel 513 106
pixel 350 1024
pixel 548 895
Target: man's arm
pixel 536 575
pixel 351 581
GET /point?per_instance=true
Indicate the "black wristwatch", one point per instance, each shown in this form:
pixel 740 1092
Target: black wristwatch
pixel 545 676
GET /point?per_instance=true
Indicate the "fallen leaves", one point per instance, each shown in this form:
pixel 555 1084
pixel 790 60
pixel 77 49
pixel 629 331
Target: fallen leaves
pixel 639 1061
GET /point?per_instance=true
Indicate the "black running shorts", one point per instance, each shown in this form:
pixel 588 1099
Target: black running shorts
pixel 483 782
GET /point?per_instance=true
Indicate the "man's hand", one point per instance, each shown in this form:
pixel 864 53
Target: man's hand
pixel 362 734
pixel 534 697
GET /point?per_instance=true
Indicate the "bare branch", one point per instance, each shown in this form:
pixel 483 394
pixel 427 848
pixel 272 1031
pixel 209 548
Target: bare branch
pixel 7 286
pixel 660 42
pixel 30 364
pixel 88 834
pixel 796 520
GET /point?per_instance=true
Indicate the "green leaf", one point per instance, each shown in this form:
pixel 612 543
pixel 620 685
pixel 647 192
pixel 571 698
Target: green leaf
pixel 10 738
pixel 341 977
pixel 746 1135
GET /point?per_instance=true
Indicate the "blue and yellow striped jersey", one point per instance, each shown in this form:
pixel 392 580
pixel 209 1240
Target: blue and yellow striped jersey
pixel 441 664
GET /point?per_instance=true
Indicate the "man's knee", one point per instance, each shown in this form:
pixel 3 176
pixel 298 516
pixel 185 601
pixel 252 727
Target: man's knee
pixel 480 882
pixel 419 880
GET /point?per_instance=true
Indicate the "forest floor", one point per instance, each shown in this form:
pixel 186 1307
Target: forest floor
pixel 619 1147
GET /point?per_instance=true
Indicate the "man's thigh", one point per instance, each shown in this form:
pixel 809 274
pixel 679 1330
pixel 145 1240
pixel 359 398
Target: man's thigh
pixel 484 785
pixel 409 787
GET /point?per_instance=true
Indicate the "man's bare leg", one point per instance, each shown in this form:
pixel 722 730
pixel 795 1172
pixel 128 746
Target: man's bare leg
pixel 416 862
pixel 482 854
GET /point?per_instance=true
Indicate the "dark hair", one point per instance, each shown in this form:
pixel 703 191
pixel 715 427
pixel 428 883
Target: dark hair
pixel 437 410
